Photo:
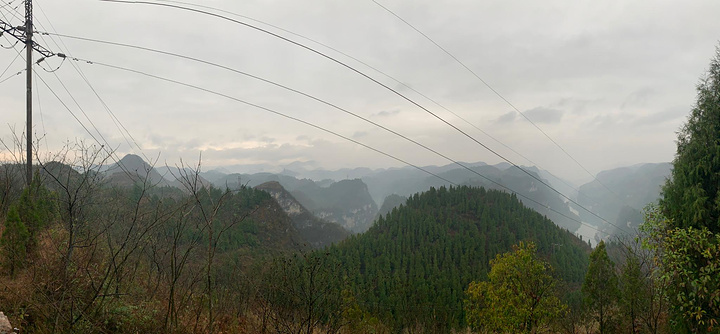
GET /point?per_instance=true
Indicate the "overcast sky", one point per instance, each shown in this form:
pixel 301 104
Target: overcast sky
pixel 610 81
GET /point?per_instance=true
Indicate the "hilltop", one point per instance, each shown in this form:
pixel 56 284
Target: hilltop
pixel 425 252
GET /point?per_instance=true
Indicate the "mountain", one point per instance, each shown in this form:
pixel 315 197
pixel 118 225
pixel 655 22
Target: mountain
pixel 413 265
pixel 170 173
pixel 265 229
pixel 131 169
pixel 407 181
pixel 321 174
pixel 346 202
pixel 391 202
pixel 317 232
pixel 235 180
pixel 629 190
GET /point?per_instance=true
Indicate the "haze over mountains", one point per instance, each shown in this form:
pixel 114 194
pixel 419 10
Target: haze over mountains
pixel 354 198
pixel 413 249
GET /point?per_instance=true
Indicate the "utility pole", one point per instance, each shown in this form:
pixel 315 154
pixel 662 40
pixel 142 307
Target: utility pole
pixel 29 50
pixel 24 34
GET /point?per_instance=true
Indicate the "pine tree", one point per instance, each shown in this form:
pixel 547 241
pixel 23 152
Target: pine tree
pixel 635 294
pixel 691 196
pixel 601 287
pixel 14 241
pixel 687 238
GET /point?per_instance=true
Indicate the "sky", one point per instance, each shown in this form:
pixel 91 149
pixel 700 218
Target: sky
pixel 609 81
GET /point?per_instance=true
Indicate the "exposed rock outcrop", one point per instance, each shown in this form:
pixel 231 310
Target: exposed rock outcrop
pixel 5 327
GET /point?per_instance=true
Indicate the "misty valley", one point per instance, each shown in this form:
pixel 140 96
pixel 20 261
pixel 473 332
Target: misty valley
pixel 369 167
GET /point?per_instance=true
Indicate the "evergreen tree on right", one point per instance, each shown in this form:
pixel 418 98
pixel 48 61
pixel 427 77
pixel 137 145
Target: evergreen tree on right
pixel 685 229
pixel 691 196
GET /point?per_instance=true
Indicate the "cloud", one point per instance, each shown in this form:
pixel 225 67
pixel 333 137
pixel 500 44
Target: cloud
pixel 661 117
pixel 607 121
pixel 507 117
pixel 386 113
pixel 266 139
pixel 544 115
pixel 639 97
pixel 537 115
pixel 590 69
pixel 576 106
pixel 359 134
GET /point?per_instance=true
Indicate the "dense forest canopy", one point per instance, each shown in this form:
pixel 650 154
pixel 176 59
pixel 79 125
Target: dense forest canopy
pixel 415 263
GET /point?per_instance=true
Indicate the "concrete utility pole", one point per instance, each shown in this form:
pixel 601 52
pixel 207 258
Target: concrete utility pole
pixel 29 50
pixel 24 34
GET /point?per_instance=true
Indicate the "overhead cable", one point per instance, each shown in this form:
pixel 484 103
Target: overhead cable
pixel 177 82
pixel 376 82
pixel 496 93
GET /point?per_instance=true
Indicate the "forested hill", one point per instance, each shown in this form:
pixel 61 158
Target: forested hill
pixel 414 264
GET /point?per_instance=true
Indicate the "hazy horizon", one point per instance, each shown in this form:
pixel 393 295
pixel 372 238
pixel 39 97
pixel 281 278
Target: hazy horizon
pixel 610 82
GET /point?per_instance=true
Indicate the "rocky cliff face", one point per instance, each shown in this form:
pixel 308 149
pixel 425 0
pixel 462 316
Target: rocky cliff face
pixel 358 219
pixel 346 202
pixel 317 232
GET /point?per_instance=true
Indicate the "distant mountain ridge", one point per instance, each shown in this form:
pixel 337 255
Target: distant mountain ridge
pixel 351 196
pixel 346 202
pixel 405 182
pixel 629 190
pixel 131 169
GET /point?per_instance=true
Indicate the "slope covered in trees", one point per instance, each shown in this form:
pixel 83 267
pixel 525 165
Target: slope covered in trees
pixel 413 266
pixel 81 255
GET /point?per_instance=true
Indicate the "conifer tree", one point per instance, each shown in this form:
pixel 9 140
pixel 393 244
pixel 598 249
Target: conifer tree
pixel 601 287
pixel 687 238
pixel 691 196
pixel 14 240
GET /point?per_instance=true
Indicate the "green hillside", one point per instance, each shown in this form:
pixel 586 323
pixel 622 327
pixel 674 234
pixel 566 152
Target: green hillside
pixel 414 264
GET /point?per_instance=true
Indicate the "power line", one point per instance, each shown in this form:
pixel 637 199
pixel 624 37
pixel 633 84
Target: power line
pixel 382 73
pixel 7 4
pixel 107 144
pixel 12 76
pixel 13 11
pixel 42 119
pixel 286 88
pixel 104 146
pixel 274 84
pixel 9 65
pixel 376 82
pixel 323 129
pixel 24 34
pixel 19 55
pixel 262 108
pixel 496 93
pixel 73 114
pixel 116 121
